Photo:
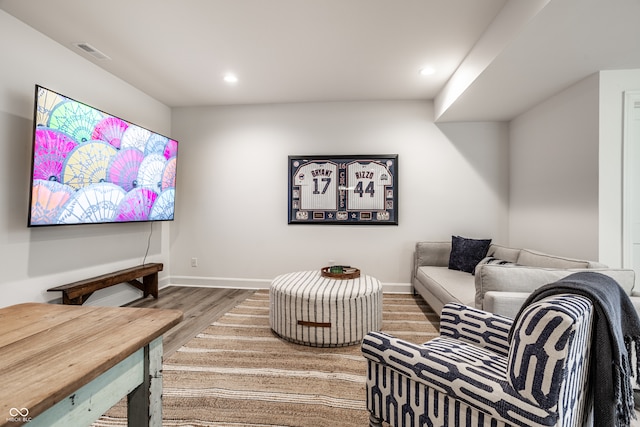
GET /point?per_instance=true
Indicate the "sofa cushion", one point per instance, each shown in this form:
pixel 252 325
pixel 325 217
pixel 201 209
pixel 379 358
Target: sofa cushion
pixel 493 261
pixel 539 259
pixel 504 252
pixel 506 278
pixel 447 285
pixel 504 303
pixel 467 253
pixel 433 253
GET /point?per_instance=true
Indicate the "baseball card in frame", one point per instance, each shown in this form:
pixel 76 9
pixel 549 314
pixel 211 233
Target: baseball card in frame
pixel 357 189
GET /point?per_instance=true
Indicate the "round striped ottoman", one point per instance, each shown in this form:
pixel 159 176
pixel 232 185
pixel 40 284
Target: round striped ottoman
pixel 307 308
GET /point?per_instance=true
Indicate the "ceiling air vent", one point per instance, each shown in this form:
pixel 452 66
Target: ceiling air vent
pixel 87 48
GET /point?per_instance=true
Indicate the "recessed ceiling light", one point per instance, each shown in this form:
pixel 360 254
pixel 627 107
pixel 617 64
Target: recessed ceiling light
pixel 230 78
pixel 427 71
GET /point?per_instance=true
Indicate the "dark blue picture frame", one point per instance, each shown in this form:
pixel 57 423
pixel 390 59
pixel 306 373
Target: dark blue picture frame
pixel 343 189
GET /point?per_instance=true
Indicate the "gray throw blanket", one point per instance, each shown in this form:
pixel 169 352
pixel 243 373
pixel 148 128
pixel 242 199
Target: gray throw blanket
pixel 616 327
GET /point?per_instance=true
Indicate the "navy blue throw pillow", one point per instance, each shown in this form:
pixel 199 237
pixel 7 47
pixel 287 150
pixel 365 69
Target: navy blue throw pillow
pixel 467 253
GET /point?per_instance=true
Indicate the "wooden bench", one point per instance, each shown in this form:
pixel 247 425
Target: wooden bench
pixel 77 293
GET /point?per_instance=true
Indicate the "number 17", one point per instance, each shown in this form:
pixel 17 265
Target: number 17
pixel 326 181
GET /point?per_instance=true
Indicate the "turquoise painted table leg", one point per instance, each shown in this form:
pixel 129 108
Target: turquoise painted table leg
pixel 145 402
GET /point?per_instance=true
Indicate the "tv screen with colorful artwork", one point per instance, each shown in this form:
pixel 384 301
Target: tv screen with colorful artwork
pixel 90 167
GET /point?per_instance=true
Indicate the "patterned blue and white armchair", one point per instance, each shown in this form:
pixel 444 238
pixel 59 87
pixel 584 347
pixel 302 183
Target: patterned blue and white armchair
pixel 471 376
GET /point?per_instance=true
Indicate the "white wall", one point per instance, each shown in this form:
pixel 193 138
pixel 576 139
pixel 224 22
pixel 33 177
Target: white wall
pixel 554 203
pixel 613 84
pixel 232 188
pixel 232 183
pixel 566 170
pixel 33 260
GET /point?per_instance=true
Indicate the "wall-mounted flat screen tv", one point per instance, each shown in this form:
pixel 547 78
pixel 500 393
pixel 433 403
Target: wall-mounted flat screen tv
pixel 90 167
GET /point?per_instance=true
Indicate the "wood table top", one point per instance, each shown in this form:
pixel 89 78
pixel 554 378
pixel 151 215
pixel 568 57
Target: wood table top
pixel 48 351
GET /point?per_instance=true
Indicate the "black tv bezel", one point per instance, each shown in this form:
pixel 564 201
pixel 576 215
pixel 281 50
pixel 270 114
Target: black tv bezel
pixel 33 146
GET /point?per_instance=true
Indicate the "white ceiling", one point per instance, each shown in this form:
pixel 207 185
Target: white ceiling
pixel 494 58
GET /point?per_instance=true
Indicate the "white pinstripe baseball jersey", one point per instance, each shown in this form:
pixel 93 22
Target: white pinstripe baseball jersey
pixel 318 185
pixel 366 182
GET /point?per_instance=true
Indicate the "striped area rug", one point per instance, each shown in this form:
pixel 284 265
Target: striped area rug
pixel 237 372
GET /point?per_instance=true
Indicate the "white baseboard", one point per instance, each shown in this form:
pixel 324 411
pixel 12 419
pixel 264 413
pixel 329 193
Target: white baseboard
pixel 123 294
pixel 235 283
pixel 118 295
pixel 397 288
pixel 121 297
pixel 220 282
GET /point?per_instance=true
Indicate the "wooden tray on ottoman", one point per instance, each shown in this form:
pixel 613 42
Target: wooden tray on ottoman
pixel 345 274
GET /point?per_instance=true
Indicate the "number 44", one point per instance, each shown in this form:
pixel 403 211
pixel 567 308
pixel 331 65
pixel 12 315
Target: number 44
pixel 370 189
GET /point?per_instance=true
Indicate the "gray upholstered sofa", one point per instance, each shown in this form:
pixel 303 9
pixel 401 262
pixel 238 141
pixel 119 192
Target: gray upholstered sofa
pixel 501 284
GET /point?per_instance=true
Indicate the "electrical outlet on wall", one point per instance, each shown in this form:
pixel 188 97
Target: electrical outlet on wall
pixel 194 262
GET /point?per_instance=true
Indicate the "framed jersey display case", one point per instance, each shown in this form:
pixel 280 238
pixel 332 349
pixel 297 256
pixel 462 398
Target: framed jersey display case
pixel 358 189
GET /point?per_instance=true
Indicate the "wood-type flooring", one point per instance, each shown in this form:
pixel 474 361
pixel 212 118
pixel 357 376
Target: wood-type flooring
pixel 201 307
